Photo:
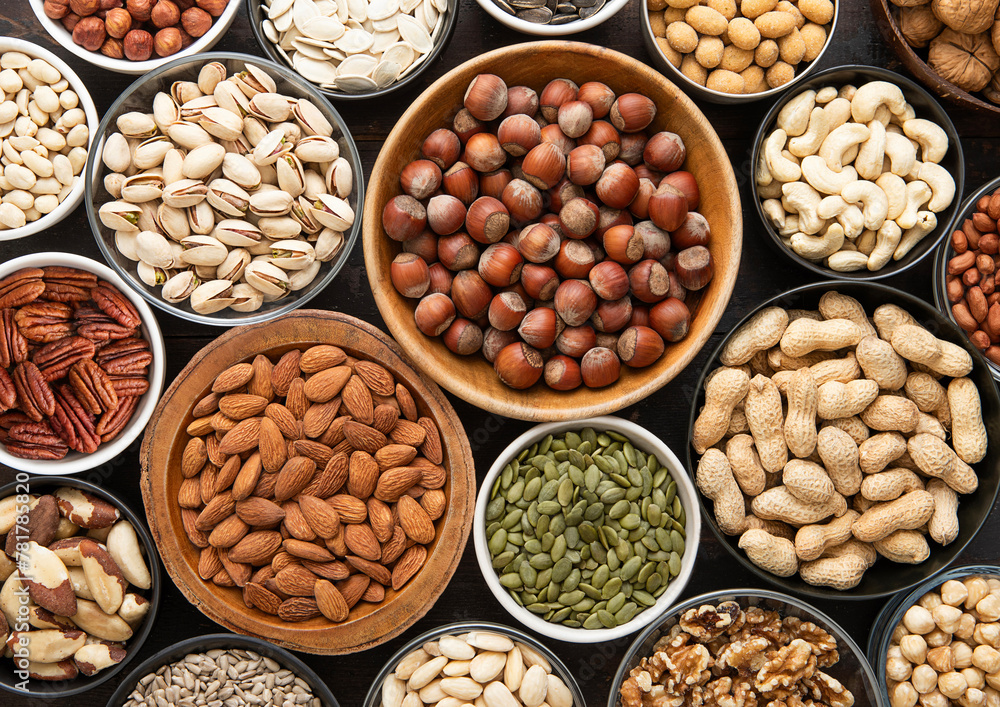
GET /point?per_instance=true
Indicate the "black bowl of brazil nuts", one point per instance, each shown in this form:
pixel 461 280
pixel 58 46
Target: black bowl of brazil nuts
pixel 603 488
pixel 206 659
pixel 884 577
pixel 125 631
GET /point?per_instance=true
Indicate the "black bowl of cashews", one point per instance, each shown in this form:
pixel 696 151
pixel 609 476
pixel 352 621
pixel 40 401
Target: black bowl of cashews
pixel 858 173
pixel 868 484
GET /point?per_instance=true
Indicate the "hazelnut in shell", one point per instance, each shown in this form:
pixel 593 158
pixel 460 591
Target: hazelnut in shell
pixel 538 243
pixel 693 231
pixel 640 316
pixel 611 218
pixel 403 217
pixel 466 125
pixel 519 365
pixel 639 346
pixel 578 218
pixel 575 301
pixel 521 99
pixel 598 96
pixel 494 342
pixel 410 275
pixel 623 245
pixel 555 93
pixel 585 164
pixel 604 135
pixel 483 152
pixel 632 112
pixel 562 373
pixel 694 267
pixel 506 311
pixel 500 265
pixel 649 281
pixel 539 327
pixel 631 149
pixel 434 314
pixel 544 166
pixel 463 337
pixel 487 220
pixel 440 279
pixel 670 319
pixel 471 294
pixel 575 341
pixel 668 207
pixel 664 151
pixel 554 134
pixel 640 204
pixel 563 193
pixel 539 281
pixel 486 97
pixel 612 315
pixel 685 181
pixel 493 183
pixel 609 280
pixel 600 367
pixel 518 134
pixel 617 186
pixel 574 260
pixel 445 214
pixel 420 178
pixel 522 200
pixel 656 241
pixel 442 147
pixel 462 182
pixel 574 118
pixel 457 251
pixel 425 245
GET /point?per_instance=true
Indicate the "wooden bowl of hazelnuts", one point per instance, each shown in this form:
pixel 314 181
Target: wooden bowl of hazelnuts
pixel 135 36
pixel 552 231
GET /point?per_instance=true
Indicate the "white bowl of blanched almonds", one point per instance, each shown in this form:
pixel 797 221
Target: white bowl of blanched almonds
pixel 46 121
pixel 224 189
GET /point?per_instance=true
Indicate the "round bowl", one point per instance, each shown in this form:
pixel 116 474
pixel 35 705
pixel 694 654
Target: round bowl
pixel 498 13
pixel 374 696
pixel 257 14
pixel 945 252
pixel 647 442
pixel 704 93
pixel 75 461
pixel 852 670
pixel 885 577
pixel 164 444
pixel 891 615
pixel 885 20
pixel 66 688
pixel 64 38
pixel 69 204
pixel 926 107
pixel 534 64
pixel 139 96
pixel 224 641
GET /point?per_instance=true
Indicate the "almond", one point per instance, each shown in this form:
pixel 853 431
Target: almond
pixel 206 483
pixel 260 384
pixel 296 581
pixel 433 502
pixel 242 406
pixel 263 574
pixel 265 485
pixel 293 477
pixel 385 418
pixel 209 563
pixel 285 371
pixel 256 595
pixel 318 418
pixel 392 455
pixel 227 474
pixel 380 519
pixel 248 477
pixel 295 522
pixel 335 432
pixel 233 378
pixel 336 544
pixel 224 579
pixel 259 512
pixel 282 560
pixel 353 587
pixel 222 423
pixel 320 516
pixel 219 508
pixel 362 475
pixel 409 564
pixel 361 541
pixel 330 601
pixel 189 519
pixel 414 521
pixel 284 419
pixel 193 458
pixel 334 475
pixel 320 357
pixel 206 406
pixel 200 426
pixel 271 443
pixel 358 400
pixel 431 448
pixel 216 457
pixel 228 532
pixel 257 548
pixel 296 401
pixel 406 432
pixel 434 475
pixel 376 377
pixel 317 451
pixel 407 407
pixel 393 483
pixel 189 493
pixel 238 573
pixel 241 438
pixel 349 508
pixel 334 571
pixel 327 384
pixel 307 551
pixel 373 569
pixel 298 609
pixel 363 437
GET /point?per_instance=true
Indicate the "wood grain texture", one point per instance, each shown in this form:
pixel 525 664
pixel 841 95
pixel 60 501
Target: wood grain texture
pixel 534 64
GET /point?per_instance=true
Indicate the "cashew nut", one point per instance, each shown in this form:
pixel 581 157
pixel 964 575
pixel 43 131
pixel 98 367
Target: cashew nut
pixel 771 191
pixel 775 212
pixel 886 240
pixel 839 112
pixel 819 247
pixel 847 91
pixel 826 94
pixel 809 142
pixel 917 194
pixel 874 202
pixel 895 189
pixel 794 117
pixel 872 152
pixel 873 94
pixel 941 183
pixel 831 206
pixel 824 179
pixel 802 199
pixel 791 225
pixel 926 222
pixel 909 113
pixel 762 175
pixel 839 141
pixel 781 168
pixel 932 138
pixel 866 242
pixel 853 221
pixel 883 115
pixel 847 261
pixel 849 245
pixel 901 153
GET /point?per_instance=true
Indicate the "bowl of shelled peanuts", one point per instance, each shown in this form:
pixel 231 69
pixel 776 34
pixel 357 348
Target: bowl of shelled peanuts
pixel 870 482
pixel 771 45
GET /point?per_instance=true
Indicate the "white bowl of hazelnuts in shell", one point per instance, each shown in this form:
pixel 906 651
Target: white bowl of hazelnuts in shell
pixel 135 36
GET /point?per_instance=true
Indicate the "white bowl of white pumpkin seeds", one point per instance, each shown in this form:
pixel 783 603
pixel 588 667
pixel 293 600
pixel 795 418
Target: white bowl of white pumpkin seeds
pixel 587 530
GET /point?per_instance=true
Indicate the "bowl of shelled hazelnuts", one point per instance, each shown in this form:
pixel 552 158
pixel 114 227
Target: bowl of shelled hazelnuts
pixel 135 36
pixel 553 230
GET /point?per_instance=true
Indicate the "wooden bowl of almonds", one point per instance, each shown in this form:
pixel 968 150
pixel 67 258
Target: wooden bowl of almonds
pixel 300 492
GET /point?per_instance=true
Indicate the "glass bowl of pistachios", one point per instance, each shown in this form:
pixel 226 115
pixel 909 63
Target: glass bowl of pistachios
pixel 224 189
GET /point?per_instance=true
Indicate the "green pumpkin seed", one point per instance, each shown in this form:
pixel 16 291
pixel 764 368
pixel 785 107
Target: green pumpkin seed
pixel 498 542
pixel 512 518
pixel 515 491
pixel 643 598
pixel 677 540
pixel 659 476
pixel 528 575
pixel 558 549
pixel 537 608
pixel 534 546
pixel 590 591
pixel 601 576
pixel 671 492
pixel 630 568
pixel 674 563
pixel 619 510
pixel 613 561
pixel 612 587
pixel 593 622
pixel 549 508
pixel 511 581
pixel 502 560
pixel 653 514
pixel 532 488
pixel 561 569
pixel 626 613
pixel 544 579
pixel 647 571
pixel 631 521
pixel 542 526
pixel 654 582
pixel 588 533
pixel 495 508
pixel 620 479
pixel 557 525
pixel 606 618
pixel 572 580
pixel 541 561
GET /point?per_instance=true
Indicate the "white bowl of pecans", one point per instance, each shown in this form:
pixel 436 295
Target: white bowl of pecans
pixel 82 364
pixel 60 153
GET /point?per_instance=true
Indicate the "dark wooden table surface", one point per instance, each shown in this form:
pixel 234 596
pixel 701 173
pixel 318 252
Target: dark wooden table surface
pixel 665 413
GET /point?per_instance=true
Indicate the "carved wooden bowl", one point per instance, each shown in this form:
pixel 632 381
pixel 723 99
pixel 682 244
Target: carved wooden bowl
pixel 368 625
pixel 534 64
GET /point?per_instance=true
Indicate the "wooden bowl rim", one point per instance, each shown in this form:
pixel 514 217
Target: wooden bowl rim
pixel 525 404
pixel 171 541
pixel 920 68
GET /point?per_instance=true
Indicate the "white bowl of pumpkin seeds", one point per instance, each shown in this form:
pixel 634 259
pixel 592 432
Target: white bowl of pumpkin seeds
pixel 587 530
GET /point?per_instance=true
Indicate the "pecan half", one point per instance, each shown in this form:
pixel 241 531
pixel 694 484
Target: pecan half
pixel 67 284
pixel 21 287
pixel 125 356
pixel 11 418
pixel 113 422
pixel 8 393
pixel 115 305
pixel 33 391
pixel 13 345
pixel 73 423
pixel 128 384
pixel 104 331
pixel 32 450
pixel 92 386
pixel 55 359
pixel 35 433
pixel 43 322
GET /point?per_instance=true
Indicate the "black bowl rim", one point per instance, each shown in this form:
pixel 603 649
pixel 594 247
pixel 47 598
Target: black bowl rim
pixel 893 267
pixel 746 592
pixel 302 297
pixel 155 592
pixel 801 588
pixel 943 252
pixel 435 53
pixel 203 643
